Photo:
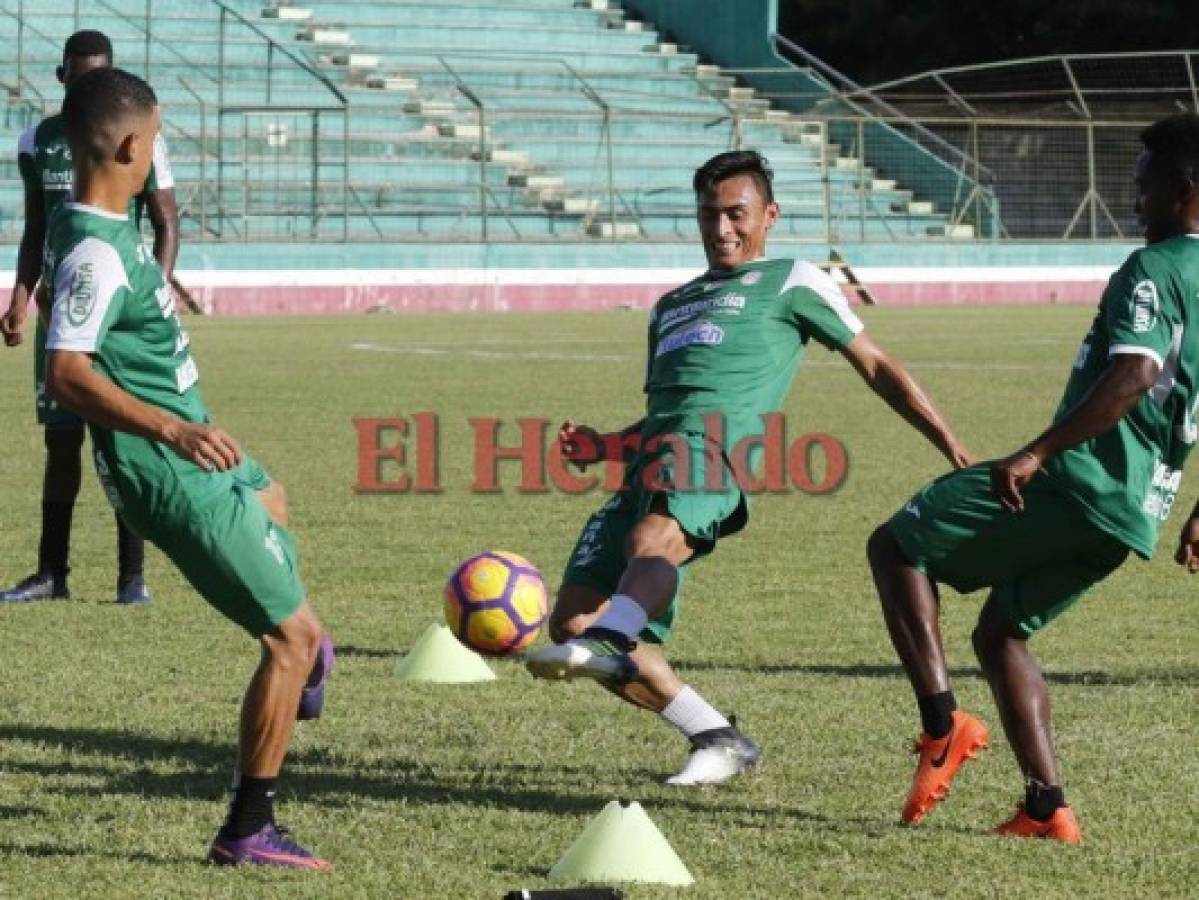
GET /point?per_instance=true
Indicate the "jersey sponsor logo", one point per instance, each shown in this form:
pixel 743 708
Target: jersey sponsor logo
pixel 1144 306
pixel 83 294
pixel 57 181
pixel 730 301
pixel 703 333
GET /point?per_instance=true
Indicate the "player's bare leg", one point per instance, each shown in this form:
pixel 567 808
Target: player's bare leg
pixel 912 610
pixel 1022 696
pixel 312 697
pixel 269 709
pixel 597 635
pixel 911 607
pixel 654 685
pixel 268 717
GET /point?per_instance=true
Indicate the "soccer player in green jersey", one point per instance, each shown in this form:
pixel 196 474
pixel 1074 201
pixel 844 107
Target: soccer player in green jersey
pixel 118 357
pixel 44 160
pixel 727 344
pixel 1043 525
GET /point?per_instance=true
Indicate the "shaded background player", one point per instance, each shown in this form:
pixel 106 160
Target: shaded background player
pixel 727 343
pixel 1043 525
pixel 118 356
pixel 44 160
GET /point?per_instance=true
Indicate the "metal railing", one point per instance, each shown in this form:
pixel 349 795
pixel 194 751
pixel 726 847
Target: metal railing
pixel 866 164
pixel 1060 132
pixel 1081 86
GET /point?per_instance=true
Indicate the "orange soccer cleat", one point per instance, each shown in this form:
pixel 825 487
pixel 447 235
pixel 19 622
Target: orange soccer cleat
pixel 1061 826
pixel 940 759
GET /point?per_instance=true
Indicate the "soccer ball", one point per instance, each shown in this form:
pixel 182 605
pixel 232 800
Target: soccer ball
pixel 495 603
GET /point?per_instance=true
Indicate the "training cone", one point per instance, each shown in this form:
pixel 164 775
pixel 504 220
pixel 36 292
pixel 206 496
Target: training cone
pixel 438 656
pixel 622 844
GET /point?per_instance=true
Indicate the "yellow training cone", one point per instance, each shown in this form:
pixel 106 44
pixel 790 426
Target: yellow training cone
pixel 439 657
pixel 622 844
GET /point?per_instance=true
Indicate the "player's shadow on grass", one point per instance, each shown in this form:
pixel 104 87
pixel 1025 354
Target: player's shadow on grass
pixel 1089 678
pixel 47 850
pixel 351 651
pixel 148 766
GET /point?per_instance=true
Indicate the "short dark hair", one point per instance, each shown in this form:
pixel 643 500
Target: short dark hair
pixel 735 162
pixel 96 103
pixel 87 43
pixel 1174 143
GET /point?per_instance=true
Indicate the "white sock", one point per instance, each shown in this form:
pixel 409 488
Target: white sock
pixel 624 614
pixel 690 713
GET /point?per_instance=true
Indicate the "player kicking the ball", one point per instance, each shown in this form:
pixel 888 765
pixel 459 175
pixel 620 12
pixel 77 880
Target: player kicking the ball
pixel 119 358
pixel 1043 525
pixel 726 344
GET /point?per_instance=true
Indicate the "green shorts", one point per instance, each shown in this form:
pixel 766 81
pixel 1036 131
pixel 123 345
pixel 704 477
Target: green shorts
pixel 224 542
pixel 1038 562
pixel 704 512
pixel 49 413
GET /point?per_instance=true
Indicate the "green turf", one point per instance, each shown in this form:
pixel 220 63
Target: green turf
pixel 117 725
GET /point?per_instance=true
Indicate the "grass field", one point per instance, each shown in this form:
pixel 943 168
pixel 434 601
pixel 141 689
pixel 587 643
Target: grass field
pixel 117 725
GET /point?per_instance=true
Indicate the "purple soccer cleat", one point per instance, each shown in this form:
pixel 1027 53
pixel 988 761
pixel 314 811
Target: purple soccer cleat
pixel 269 846
pixel 312 698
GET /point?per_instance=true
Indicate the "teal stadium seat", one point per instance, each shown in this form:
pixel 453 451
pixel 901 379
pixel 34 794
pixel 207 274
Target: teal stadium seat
pixel 397 150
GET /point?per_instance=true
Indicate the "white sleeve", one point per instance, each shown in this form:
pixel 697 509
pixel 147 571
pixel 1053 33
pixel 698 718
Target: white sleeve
pixel 84 284
pixel 163 176
pixel 807 275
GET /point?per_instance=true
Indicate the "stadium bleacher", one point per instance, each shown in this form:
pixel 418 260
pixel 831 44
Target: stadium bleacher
pixel 404 120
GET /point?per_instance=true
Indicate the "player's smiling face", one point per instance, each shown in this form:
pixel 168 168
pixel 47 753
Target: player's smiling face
pixel 1162 199
pixel 734 220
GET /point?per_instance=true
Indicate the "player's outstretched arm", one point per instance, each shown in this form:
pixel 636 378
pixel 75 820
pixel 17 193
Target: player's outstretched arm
pixel 29 264
pixel 1123 383
pixel 73 382
pixel 890 380
pixel 584 445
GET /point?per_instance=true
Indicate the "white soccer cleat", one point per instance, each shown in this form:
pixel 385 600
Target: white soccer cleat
pixel 601 657
pixel 716 756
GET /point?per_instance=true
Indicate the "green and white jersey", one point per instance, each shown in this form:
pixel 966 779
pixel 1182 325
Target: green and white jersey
pixel 1126 479
pixel 44 161
pixel 731 342
pixel 110 300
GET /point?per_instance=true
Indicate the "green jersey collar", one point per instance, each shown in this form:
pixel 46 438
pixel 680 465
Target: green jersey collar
pixel 97 211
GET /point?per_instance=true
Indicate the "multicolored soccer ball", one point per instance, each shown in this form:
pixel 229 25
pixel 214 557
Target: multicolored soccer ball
pixel 495 603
